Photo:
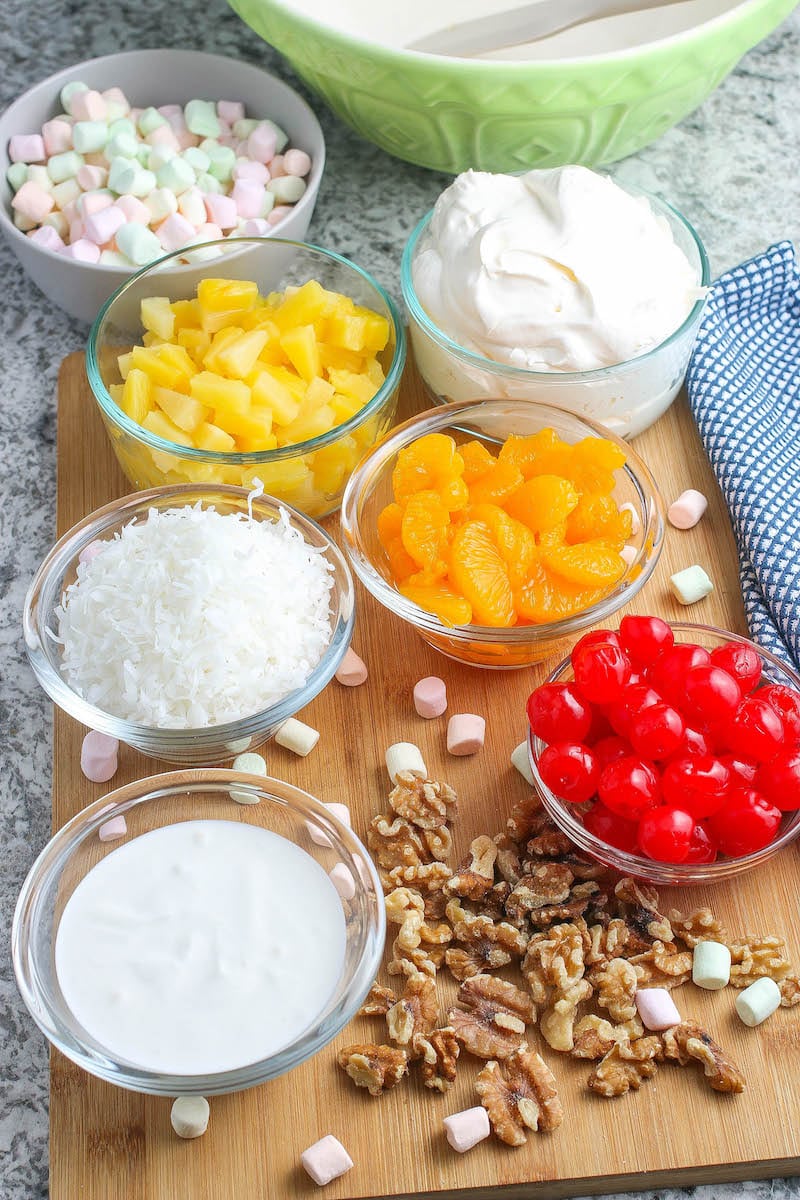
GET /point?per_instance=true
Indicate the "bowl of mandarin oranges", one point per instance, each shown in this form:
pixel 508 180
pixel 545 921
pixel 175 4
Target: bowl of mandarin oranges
pixel 670 752
pixel 500 529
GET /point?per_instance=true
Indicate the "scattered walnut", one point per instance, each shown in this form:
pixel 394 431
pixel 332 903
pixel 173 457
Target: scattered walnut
pixel 423 802
pixel 528 818
pixel 553 962
pixel 394 844
pixel 700 925
pixel 376 1068
pixel 493 903
pixel 580 898
pixel 606 942
pixel 491 1019
pixel 428 879
pixel 615 1075
pixel 475 875
pixel 487 945
pixel 406 908
pixel 639 908
pixel 552 843
pixel 440 1051
pixel 687 1041
pixel 439 842
pixel 519 1094
pixel 378 1002
pixel 557 1022
pixel 508 859
pixel 414 1015
pixel 663 966
pixel 594 1035
pixel 758 955
pixel 790 991
pixel 616 984
pixel 546 885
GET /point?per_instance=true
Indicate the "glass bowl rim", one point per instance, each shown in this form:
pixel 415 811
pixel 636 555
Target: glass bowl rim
pixel 114 413
pixel 55 856
pixel 66 550
pixel 522 374
pixel 441 417
pixel 636 864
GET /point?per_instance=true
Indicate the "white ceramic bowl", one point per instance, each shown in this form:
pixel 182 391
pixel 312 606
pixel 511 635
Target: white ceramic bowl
pixel 150 77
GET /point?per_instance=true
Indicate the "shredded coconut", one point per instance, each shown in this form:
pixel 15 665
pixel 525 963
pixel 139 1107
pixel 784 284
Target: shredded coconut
pixel 193 618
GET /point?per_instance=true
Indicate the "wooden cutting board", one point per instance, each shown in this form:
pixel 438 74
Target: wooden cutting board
pixel 107 1144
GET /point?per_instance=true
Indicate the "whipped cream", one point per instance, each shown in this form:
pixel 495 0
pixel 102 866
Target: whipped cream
pixel 554 270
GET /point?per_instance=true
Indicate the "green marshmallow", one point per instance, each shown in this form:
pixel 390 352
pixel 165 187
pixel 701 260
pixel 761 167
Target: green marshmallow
pixel 242 129
pixel 222 161
pixel 287 189
pixel 122 145
pixel 68 91
pixel 88 137
pixel 138 243
pixel 201 118
pixel 176 175
pixel 122 125
pixel 64 166
pixel 281 138
pixel 159 155
pixel 150 119
pixel 207 183
pixel 197 159
pixel 16 175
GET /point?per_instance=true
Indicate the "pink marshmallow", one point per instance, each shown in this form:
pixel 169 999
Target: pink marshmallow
pixel 221 210
pixel 134 209
pixel 465 1129
pixel 114 828
pixel 76 229
pixel 248 196
pixel 230 111
pixel 47 237
pixel 465 733
pixel 296 162
pixel 134 115
pixel 278 213
pixel 99 756
pixel 657 1009
pixel 94 202
pixel 261 143
pixel 27 148
pixel 170 110
pixel 33 202
pixel 209 232
pixel 91 178
pixel 91 551
pixel 115 95
pixel 430 697
pixel 89 106
pixel 257 227
pixel 318 835
pixel 246 169
pixel 164 135
pixel 628 555
pixel 276 167
pixel 686 511
pixel 102 226
pixel 352 670
pixel 342 879
pixel 83 250
pixel 185 138
pixel 327 1159
pixel 228 139
pixel 175 232
pixel 57 136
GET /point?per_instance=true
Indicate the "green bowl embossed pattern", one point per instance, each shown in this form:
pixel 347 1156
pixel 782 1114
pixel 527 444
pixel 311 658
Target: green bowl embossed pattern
pixel 450 114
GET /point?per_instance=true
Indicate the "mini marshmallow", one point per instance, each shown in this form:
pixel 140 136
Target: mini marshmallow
pixel 281 138
pixel 276 167
pixel 287 189
pixel 92 178
pixel 138 243
pixel 89 105
pixel 758 1001
pixel 122 145
pixel 296 162
pixel 150 120
pixel 189 1116
pixel 102 226
pixel 248 196
pixel 222 211
pixel 176 175
pixel 46 237
pixel 134 209
pixel 192 206
pixel 628 555
pixel 256 227
pixel 317 835
pixel 636 523
pixel 57 136
pixel 686 511
pixel 690 585
pixel 64 166
pixel 89 136
pixel 16 175
pixel 158 156
pixel 27 148
pixel 94 202
pixel 430 697
pixel 197 159
pixel 76 230
pixel 711 966
pixel 69 92
pixel 23 223
pixel 278 213
pixel 161 203
pixel 56 220
pixel 245 169
pixel 342 879
pixel 113 258
pixel 163 139
pixel 209 186
pixel 230 111
pixel 405 756
pixel 32 202
pixel 99 753
pixel 521 761
pixel 123 125
pixel 222 161
pixel 128 175
pixel 295 736
pixel 116 103
pixel 65 193
pixel 327 1159
pixel 465 1129
pixel 38 175
pixel 201 118
pixel 245 127
pixel 113 829
pixel 175 232
pixel 262 144
pixel 657 1009
pixel 465 733
pixel 250 764
pixel 352 670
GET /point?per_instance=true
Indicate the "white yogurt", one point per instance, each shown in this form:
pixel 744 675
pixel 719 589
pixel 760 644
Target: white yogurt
pixel 200 947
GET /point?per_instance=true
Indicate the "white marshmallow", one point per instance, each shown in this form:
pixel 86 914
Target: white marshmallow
pixel 189 1116
pixel 297 737
pixel 690 585
pixel 758 1001
pixel 711 966
pixel 405 756
pixel 249 764
pixel 520 760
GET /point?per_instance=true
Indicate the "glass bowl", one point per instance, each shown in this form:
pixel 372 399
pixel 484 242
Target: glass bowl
pixel 309 475
pixel 626 398
pixel 490 422
pixel 150 804
pixel 211 744
pixel 565 816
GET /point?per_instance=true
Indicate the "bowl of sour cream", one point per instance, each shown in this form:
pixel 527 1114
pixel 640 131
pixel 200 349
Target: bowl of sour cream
pixel 557 286
pixel 198 932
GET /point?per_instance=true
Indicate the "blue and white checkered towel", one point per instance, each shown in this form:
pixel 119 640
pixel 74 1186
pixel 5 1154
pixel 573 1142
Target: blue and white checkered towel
pixel 744 390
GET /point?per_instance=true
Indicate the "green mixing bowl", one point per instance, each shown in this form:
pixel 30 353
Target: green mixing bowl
pixel 451 113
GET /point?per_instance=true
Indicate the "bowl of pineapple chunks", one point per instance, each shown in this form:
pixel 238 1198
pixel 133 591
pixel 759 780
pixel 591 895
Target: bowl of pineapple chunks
pixel 279 362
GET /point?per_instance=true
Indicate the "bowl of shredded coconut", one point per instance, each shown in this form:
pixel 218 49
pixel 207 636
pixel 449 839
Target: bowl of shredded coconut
pixel 190 621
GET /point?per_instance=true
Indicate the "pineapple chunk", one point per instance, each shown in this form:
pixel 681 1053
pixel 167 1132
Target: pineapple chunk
pixel 225 396
pixel 300 307
pixel 374 371
pixel 348 331
pixel 238 356
pixel 168 365
pixel 337 304
pixel 186 314
pixel 332 464
pixel 184 411
pixel 157 316
pixel 256 445
pixel 156 422
pixel 124 364
pixel 319 391
pixel 376 332
pixel 136 399
pixel 269 392
pixel 152 339
pixel 213 322
pixel 255 425
pixel 344 407
pixel 286 476
pixel 309 424
pixel 300 345
pixel 227 295
pixel 352 383
pixel 115 391
pixel 195 341
pixel 336 356
pixel 211 437
pixel 221 339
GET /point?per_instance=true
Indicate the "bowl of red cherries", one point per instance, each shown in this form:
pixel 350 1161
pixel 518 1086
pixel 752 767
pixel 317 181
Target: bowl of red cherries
pixel 670 752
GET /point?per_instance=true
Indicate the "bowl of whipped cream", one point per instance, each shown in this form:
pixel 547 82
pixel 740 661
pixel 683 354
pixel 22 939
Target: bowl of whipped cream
pixel 557 286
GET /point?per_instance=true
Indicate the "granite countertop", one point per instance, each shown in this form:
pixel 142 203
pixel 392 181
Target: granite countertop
pixel 731 168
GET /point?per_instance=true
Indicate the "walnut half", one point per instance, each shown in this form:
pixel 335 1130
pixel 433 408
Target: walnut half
pixel 519 1094
pixel 440 1051
pixel 376 1068
pixel 690 1041
pixel 491 1019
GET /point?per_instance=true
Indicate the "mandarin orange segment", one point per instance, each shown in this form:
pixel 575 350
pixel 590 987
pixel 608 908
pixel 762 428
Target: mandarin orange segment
pixel 440 600
pixel 477 460
pixel 544 597
pixel 390 523
pixel 499 482
pixel 543 502
pixel 424 531
pixel 430 464
pixel 589 564
pixel 597 517
pixel 401 564
pixel 478 572
pixel 516 543
pixel 538 453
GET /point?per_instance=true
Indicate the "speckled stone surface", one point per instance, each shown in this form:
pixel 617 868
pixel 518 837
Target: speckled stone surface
pixel 731 168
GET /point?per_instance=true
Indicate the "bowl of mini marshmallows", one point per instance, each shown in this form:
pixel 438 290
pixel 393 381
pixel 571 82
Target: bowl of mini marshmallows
pixel 113 163
pixel 189 622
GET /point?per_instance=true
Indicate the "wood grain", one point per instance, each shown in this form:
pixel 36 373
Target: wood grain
pixel 107 1144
